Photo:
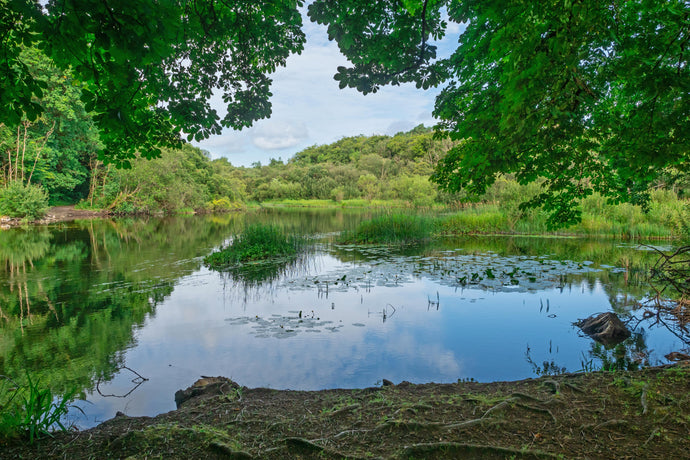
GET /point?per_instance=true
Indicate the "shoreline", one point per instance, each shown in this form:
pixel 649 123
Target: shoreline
pixel 54 215
pixel 623 414
pixel 59 214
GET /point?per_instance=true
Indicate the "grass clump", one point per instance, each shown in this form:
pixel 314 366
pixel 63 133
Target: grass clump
pixel 256 243
pixel 30 412
pixel 391 228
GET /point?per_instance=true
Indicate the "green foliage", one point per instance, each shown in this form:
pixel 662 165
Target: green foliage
pixel 415 189
pixel 30 411
pixel 26 201
pixel 175 181
pixel 582 96
pixel 57 149
pixel 150 68
pixel 391 228
pixel 668 217
pixel 223 205
pixel 256 242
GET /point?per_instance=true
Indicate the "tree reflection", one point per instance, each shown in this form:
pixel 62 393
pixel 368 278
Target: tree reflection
pixel 71 296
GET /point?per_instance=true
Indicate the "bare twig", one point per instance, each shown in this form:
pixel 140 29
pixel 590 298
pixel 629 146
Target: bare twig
pixel 643 399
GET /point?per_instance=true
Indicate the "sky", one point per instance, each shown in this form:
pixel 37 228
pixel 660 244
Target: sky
pixel 309 108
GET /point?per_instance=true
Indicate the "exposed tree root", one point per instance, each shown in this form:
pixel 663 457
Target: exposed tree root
pixel 228 452
pixel 470 423
pixel 573 387
pixel 595 426
pixel 344 410
pixel 537 409
pixel 302 445
pixel 654 433
pixel 459 450
pixel 531 398
pixel 309 447
pixel 555 386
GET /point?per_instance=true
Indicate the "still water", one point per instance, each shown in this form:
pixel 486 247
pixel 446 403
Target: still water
pixel 102 305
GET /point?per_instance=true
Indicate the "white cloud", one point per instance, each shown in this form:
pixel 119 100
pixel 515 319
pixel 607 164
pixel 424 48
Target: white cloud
pixel 309 108
pixel 277 135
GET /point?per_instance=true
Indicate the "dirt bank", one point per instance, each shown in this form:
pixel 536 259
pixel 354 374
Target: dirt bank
pixel 55 214
pixel 622 415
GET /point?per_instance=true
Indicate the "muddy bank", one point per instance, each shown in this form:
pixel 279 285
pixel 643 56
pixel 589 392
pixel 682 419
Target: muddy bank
pixel 641 414
pixel 54 215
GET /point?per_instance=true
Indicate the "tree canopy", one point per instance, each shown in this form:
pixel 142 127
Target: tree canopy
pixel 582 95
pixel 148 67
pixel 588 95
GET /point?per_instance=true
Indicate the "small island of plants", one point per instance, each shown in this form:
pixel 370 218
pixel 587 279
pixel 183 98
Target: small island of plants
pixel 258 242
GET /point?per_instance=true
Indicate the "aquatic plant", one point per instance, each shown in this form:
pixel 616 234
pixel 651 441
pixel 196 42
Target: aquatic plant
pixel 30 411
pixel 256 242
pixel 391 228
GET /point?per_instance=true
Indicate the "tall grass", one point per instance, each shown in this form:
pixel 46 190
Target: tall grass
pixel 668 217
pixel 30 411
pixel 256 242
pixel 391 228
pixel 317 203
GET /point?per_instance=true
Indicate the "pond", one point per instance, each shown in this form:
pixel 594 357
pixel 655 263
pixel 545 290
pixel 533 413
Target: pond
pixel 124 310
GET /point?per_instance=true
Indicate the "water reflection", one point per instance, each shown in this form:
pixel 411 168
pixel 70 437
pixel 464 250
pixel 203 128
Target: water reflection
pixel 80 304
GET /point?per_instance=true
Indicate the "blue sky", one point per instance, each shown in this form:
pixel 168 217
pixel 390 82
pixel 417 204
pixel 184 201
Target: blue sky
pixel 309 108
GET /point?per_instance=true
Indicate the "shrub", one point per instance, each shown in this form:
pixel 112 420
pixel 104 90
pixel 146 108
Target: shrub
pixel 223 204
pixel 26 201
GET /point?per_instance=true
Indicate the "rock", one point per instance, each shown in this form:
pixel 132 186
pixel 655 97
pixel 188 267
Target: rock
pixel 605 328
pixel 387 383
pixel 677 356
pixel 205 386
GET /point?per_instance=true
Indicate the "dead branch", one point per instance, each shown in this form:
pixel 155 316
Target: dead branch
pixel 643 398
pixel 137 381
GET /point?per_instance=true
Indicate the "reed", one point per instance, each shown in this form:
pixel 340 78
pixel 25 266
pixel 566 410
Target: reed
pixel 256 242
pixel 391 228
pixel 30 411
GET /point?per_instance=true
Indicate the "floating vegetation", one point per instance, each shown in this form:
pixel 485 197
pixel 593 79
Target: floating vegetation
pixel 282 327
pixel 377 266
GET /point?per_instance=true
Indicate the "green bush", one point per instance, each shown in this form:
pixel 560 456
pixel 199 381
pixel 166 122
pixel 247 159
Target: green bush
pixel 223 204
pixel 25 201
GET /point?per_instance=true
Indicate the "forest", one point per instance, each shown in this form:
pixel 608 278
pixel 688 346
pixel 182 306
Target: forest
pixel 54 161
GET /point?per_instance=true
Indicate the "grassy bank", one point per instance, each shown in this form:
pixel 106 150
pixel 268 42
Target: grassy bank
pixel 392 228
pixel 640 414
pixel 667 217
pixel 350 203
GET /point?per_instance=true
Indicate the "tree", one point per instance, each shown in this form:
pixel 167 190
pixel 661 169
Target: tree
pixel 584 95
pixel 148 67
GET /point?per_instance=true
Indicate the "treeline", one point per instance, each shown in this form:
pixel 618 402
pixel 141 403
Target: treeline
pixel 366 168
pixel 53 160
